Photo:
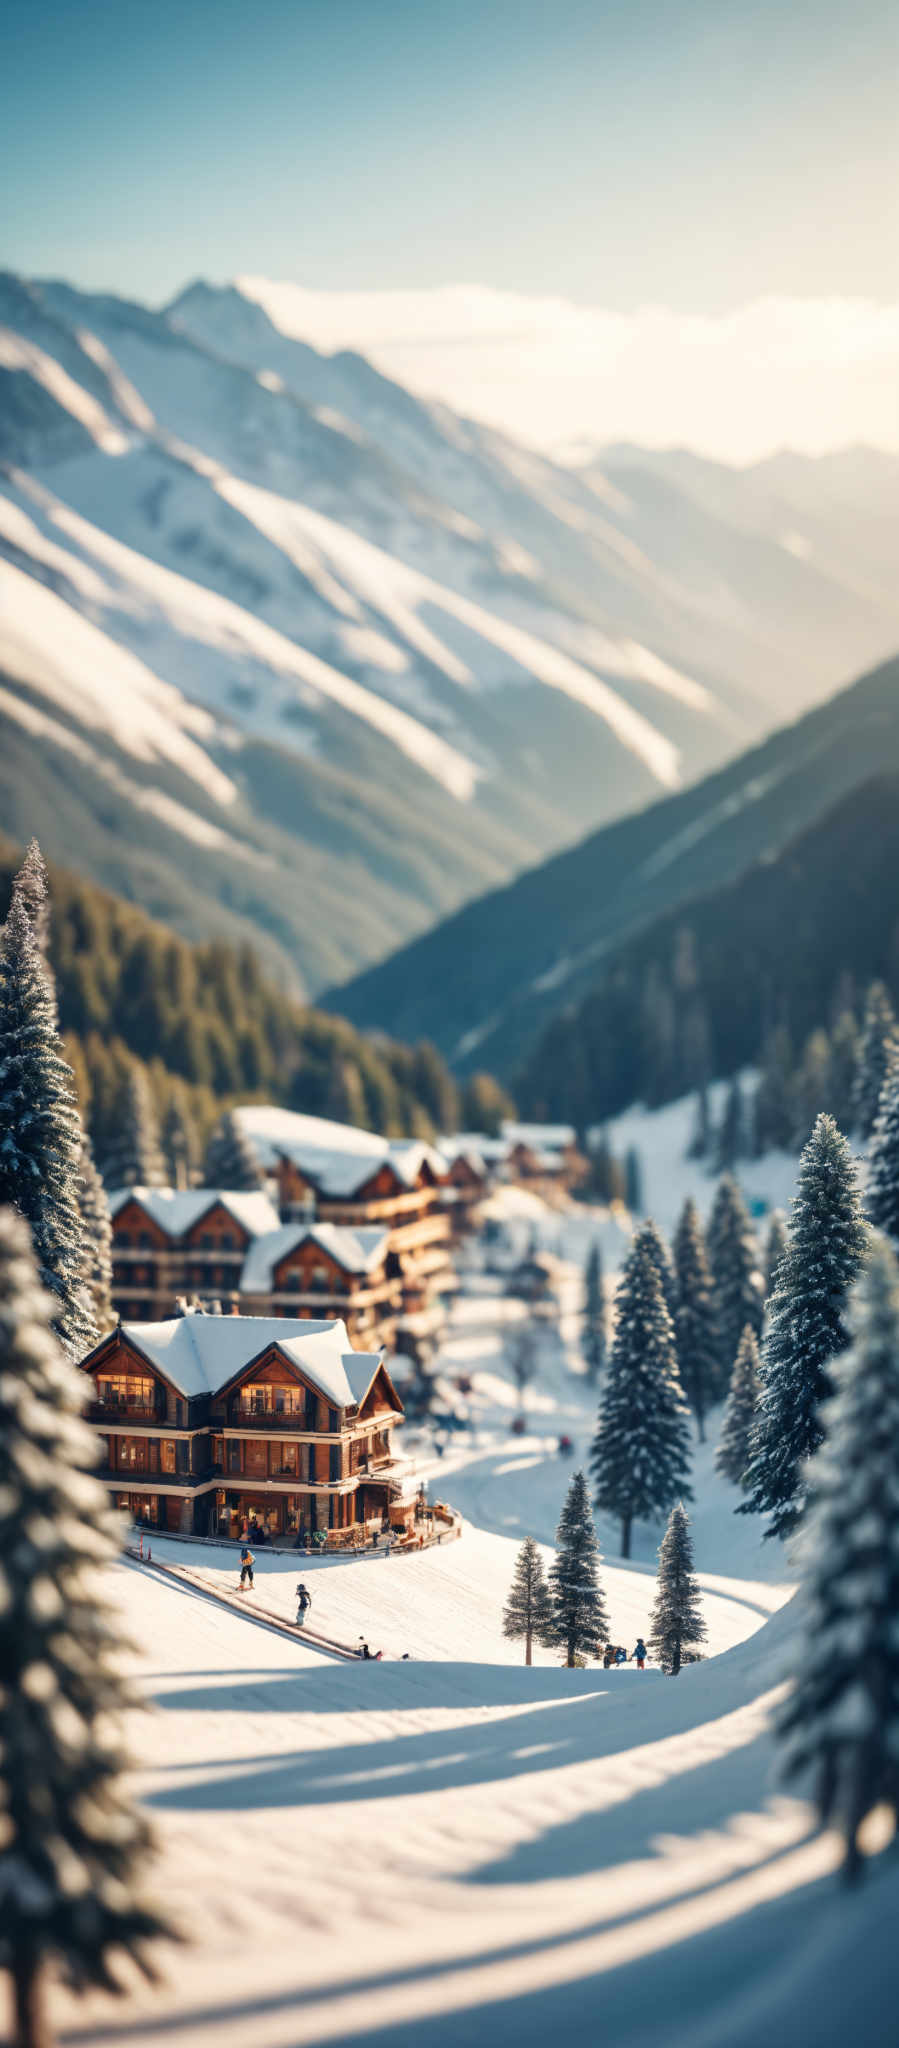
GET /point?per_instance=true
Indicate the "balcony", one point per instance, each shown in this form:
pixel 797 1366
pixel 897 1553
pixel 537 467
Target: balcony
pixel 150 1481
pixel 277 1425
pixel 114 1411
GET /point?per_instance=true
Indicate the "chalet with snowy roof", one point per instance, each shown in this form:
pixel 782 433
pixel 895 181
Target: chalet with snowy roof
pixel 543 1157
pixel 264 1426
pixel 333 1173
pixel 168 1242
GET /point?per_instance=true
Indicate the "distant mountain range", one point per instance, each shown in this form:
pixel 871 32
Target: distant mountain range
pixel 487 983
pixel 286 653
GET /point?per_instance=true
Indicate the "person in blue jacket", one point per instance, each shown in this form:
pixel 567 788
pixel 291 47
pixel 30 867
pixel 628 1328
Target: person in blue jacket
pixel 640 1654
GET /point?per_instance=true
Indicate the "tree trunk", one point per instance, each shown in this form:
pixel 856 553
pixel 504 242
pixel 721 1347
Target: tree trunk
pixel 701 1421
pixel 675 1660
pixel 527 1647
pixel 570 1658
pixel 626 1535
pixel 31 2025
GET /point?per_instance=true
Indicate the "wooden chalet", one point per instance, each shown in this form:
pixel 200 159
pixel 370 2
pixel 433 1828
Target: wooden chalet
pixel 167 1243
pixel 244 1425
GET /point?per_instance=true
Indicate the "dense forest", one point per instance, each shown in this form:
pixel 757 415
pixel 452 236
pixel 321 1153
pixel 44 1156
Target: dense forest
pixel 769 970
pixel 209 1028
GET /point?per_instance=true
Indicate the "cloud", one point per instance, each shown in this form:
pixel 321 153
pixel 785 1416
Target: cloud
pixel 811 374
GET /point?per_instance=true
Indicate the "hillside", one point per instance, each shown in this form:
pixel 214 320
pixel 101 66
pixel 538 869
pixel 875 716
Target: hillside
pixel 265 615
pixel 485 983
pixel 789 946
pixel 209 1026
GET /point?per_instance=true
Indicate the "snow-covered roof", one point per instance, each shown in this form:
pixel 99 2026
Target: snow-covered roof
pixel 476 1146
pixel 541 1137
pixel 178 1209
pixel 356 1251
pixel 336 1158
pixel 201 1354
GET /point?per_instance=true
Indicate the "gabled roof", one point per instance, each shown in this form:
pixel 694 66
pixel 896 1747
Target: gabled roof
pixel 355 1251
pixel 475 1146
pixel 176 1210
pixel 202 1354
pixel 541 1137
pixel 336 1158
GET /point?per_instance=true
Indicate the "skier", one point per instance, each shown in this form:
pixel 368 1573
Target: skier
pixel 304 1602
pixel 246 1567
pixel 640 1654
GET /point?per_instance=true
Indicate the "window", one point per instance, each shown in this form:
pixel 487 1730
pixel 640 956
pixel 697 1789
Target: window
pixel 207 1241
pixel 264 1399
pixel 179 1414
pixel 145 1241
pixel 132 1454
pixel 125 1391
pixel 167 1457
pixel 288 1458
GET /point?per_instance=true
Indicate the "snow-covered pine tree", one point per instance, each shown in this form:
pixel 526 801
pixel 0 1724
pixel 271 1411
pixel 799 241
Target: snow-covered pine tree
pixel 677 1627
pixel 72 1844
pixel 179 1142
pixel 806 1327
pixel 775 1246
pixel 578 1621
pixel 230 1159
pixel 528 1610
pixel 735 1443
pixel 594 1314
pixel 641 1450
pixel 882 1192
pixel 878 1038
pixel 33 885
pixel 734 1259
pixel 697 1337
pixel 135 1158
pixel 40 1129
pixel 841 1721
pixel 664 1265
pixel 96 1227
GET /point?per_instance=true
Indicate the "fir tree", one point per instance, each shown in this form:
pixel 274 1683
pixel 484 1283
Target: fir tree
pixel 230 1159
pixel 806 1327
pixel 179 1142
pixel 40 1130
pixel 135 1158
pixel 700 1141
pixel 775 1247
pixel 841 1722
pixel 528 1610
pixel 33 885
pixel 734 1260
pixel 96 1227
pixel 72 1843
pixel 697 1337
pixel 877 1041
pixel 640 1455
pixel 882 1193
pixel 633 1181
pixel 677 1626
pixel 594 1314
pixel 731 1134
pixel 578 1621
pixel 735 1443
pixel 656 1245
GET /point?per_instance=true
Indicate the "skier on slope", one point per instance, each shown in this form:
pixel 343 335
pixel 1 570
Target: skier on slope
pixel 247 1561
pixel 640 1654
pixel 304 1602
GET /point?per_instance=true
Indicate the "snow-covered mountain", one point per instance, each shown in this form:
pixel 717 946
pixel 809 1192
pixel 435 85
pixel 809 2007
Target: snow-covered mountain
pixel 288 652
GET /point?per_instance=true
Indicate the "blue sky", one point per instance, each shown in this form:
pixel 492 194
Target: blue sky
pixel 695 157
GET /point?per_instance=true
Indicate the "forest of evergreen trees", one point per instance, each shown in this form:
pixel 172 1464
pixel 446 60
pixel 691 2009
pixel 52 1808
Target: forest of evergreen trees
pixel 208 1027
pixel 772 970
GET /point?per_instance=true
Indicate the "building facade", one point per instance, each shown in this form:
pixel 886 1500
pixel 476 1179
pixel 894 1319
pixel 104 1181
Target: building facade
pixel 248 1426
